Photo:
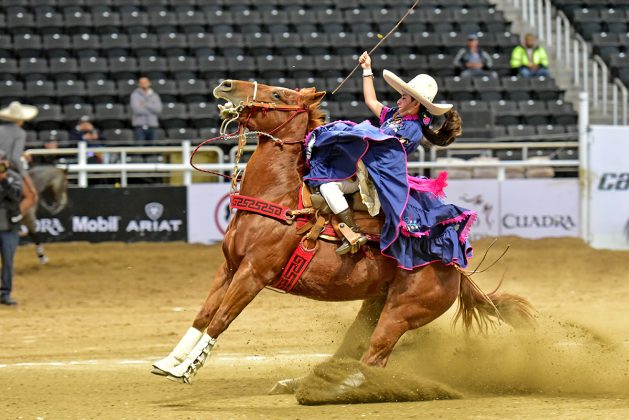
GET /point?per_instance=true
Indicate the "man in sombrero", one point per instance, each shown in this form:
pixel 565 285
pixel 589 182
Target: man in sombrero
pixel 13 141
pixel 419 228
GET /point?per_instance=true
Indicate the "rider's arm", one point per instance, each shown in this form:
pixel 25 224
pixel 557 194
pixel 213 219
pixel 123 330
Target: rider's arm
pixel 369 91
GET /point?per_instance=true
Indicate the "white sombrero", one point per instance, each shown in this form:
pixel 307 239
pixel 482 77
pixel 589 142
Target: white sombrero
pixel 422 87
pixel 18 112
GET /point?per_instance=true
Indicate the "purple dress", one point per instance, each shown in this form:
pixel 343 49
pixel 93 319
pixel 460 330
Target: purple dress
pixel 419 228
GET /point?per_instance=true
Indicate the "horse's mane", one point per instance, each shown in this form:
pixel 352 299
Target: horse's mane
pixel 316 117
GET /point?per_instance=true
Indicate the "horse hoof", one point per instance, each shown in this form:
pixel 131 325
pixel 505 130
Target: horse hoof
pixel 179 379
pixel 285 386
pixel 159 372
pixel 353 381
pixel 43 260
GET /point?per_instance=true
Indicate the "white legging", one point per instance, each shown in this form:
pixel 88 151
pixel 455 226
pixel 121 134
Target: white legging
pixel 334 193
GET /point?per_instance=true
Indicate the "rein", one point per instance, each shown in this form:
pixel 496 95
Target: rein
pixel 254 106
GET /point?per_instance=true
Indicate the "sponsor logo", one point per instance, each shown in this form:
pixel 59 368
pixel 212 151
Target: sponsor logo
pixel 222 214
pixel 484 209
pixel 111 224
pixel 99 224
pixel 518 221
pixel 50 226
pixel 611 181
pixel 154 212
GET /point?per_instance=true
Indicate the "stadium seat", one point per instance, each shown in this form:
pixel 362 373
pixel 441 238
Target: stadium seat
pixel 182 133
pixel 73 112
pixel 101 91
pixel 40 91
pixel 111 115
pixel 49 117
pixel 11 90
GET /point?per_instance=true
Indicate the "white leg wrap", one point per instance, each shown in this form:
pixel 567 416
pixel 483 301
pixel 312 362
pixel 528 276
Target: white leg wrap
pixel 184 371
pixel 334 194
pixel 179 353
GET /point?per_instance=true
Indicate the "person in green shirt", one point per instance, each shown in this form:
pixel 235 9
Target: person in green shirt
pixel 530 60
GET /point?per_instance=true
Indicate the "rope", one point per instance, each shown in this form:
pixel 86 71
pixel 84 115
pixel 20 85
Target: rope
pixel 408 12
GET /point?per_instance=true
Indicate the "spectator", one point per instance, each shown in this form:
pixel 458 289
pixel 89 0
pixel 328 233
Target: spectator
pixel 12 141
pixel 10 216
pixel 472 61
pixel 530 60
pixel 85 131
pixel 146 106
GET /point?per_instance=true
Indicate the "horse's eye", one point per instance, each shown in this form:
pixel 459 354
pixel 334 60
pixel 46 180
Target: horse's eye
pixel 277 96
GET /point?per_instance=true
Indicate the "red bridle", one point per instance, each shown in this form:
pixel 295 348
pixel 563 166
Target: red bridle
pixel 256 106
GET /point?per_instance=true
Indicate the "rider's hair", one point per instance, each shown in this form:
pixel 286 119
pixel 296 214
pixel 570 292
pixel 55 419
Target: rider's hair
pixel 446 134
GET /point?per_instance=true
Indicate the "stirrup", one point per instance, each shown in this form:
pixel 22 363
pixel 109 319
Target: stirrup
pixel 346 246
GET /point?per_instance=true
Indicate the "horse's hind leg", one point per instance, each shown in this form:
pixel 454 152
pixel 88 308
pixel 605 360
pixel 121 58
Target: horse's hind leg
pixel 414 299
pixel 356 339
pixel 242 289
pixel 354 344
pixel 202 320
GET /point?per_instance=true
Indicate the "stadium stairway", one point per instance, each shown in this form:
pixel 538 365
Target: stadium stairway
pixel 563 75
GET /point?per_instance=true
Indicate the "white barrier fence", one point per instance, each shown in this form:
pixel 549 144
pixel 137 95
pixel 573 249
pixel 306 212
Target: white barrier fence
pixel 83 169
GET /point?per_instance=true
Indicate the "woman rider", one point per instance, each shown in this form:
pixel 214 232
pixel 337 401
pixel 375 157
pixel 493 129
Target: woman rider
pixel 418 227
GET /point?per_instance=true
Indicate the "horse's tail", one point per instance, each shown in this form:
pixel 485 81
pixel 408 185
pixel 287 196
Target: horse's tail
pixel 486 310
pixel 447 133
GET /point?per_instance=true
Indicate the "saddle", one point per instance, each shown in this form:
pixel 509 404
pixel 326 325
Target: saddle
pixel 322 223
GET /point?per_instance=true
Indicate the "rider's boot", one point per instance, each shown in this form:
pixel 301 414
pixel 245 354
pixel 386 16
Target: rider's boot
pixel 359 240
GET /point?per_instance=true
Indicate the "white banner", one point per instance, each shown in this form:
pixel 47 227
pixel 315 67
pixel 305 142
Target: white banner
pixel 531 208
pixel 539 208
pixel 609 187
pixel 208 212
pixel 482 196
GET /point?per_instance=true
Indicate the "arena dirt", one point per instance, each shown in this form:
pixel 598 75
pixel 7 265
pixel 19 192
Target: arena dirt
pixel 79 344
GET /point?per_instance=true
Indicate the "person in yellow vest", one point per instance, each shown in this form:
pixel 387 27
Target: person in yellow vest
pixel 530 60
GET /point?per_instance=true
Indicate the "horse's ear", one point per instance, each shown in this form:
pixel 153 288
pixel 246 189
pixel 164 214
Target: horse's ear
pixel 318 97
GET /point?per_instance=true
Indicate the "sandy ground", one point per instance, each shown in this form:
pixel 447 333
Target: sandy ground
pixel 80 342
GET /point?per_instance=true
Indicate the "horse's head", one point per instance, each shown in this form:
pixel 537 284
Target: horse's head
pixel 265 108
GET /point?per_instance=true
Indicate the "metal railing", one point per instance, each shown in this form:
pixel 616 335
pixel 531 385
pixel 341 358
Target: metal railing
pixel 554 29
pixel 83 171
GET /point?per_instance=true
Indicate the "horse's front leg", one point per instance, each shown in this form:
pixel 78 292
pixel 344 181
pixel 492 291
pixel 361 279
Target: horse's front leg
pixel 201 322
pixel 245 286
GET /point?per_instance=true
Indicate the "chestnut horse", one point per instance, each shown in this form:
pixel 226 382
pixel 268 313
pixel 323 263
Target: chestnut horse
pixel 257 248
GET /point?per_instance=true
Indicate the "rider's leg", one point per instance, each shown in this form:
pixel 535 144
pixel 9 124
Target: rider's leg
pixel 334 194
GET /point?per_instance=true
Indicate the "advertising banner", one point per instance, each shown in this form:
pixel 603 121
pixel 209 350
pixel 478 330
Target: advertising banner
pixel 118 214
pixel 208 212
pixel 482 196
pixel 530 208
pixel 609 187
pixel 539 208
